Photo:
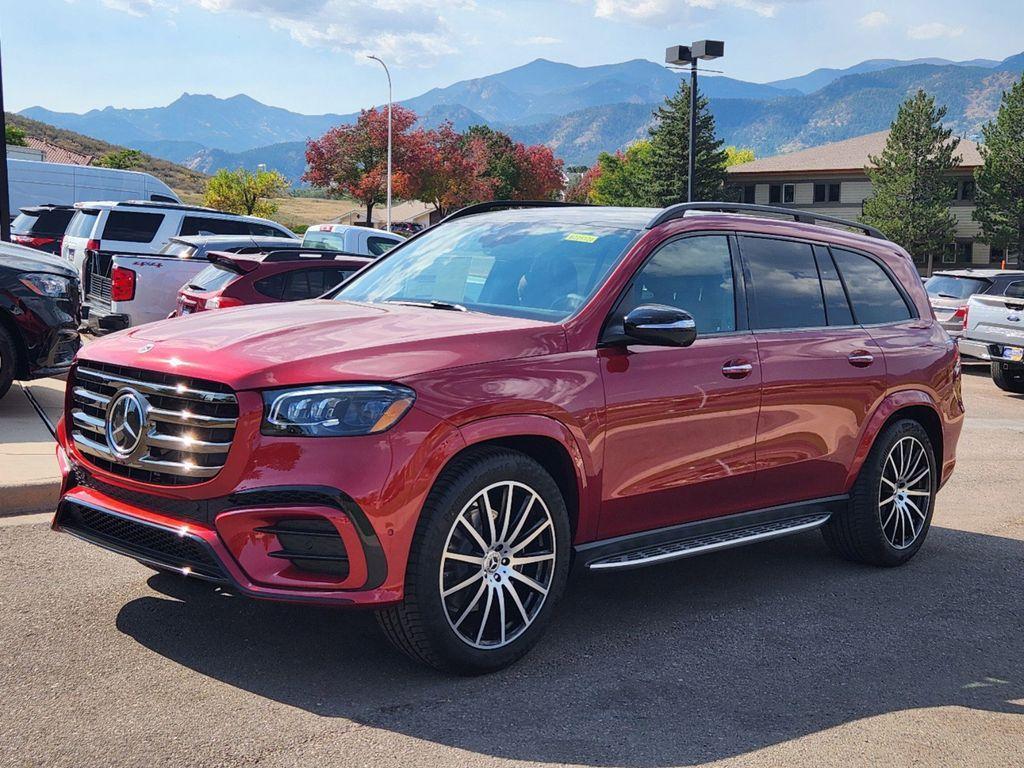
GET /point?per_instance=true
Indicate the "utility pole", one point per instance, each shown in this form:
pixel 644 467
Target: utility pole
pixel 386 72
pixel 5 198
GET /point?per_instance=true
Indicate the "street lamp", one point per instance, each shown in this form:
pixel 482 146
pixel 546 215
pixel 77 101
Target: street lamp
pixel 683 54
pixel 386 72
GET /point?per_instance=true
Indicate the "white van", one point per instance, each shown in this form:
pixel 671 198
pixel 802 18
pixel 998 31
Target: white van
pixel 36 183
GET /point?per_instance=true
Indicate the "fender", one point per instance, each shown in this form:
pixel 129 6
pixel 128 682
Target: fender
pixel 584 465
pixel 889 405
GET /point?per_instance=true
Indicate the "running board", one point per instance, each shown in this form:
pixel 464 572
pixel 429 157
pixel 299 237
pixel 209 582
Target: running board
pixel 701 537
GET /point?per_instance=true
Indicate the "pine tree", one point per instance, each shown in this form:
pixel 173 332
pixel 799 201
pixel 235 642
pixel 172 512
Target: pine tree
pixel 911 181
pixel 670 151
pixel 999 193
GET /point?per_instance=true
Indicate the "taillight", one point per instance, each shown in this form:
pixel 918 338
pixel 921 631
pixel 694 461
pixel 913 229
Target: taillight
pixel 960 314
pixel 122 284
pixel 92 245
pixel 32 242
pixel 966 309
pixel 222 302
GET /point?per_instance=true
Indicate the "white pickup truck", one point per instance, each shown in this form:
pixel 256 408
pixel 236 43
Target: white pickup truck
pixel 995 332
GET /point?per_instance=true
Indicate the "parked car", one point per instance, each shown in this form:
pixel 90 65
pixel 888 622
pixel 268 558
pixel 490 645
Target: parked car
pixel 950 291
pixel 39 315
pixel 351 239
pixel 37 183
pixel 994 331
pixel 294 274
pixel 513 390
pixel 117 247
pixel 42 226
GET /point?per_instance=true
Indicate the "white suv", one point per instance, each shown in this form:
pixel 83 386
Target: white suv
pixel 103 238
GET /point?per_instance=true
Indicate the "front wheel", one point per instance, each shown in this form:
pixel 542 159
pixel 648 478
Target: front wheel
pixel 489 561
pixel 1008 378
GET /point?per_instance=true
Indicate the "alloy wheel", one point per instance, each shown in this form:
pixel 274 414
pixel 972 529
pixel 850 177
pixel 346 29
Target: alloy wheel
pixel 905 492
pixel 498 565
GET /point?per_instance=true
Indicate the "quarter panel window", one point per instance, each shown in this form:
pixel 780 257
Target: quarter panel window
pixel 785 290
pixel 378 246
pixel 875 297
pixel 693 274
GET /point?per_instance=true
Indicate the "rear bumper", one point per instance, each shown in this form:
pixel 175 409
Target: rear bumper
pixel 101 317
pixel 974 348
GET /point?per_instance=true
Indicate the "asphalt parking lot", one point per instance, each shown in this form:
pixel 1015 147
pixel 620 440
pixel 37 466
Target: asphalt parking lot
pixel 774 655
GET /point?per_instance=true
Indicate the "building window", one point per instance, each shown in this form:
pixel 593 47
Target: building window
pixel 826 193
pixel 967 190
pixel 774 193
pixel 962 251
pixel 749 193
pixel 996 255
pixel 788 193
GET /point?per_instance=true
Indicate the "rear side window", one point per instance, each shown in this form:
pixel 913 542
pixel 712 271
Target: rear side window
pixel 82 223
pixel 378 246
pixel 132 226
pixel 208 225
pixel 213 278
pixel 837 307
pixel 308 283
pixel 271 287
pixel 875 297
pixel 785 291
pixel 263 230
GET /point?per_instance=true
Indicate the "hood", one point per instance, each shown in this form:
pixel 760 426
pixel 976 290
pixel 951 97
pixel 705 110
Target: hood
pixel 320 341
pixel 22 259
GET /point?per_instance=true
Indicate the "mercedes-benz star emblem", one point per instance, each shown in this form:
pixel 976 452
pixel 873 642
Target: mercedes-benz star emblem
pixel 126 422
pixel 145 348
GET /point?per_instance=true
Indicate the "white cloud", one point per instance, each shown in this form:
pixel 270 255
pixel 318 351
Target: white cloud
pixel 933 30
pixel 668 11
pixel 874 20
pixel 133 7
pixel 539 40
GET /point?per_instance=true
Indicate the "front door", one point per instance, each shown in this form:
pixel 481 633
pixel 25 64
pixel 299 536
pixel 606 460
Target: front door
pixel 681 422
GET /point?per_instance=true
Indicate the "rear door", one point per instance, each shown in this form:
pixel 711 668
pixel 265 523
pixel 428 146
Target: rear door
pixel 822 374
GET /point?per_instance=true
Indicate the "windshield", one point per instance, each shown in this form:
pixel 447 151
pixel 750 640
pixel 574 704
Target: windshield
pixel 81 224
pixel 531 269
pixel 953 287
pixel 181 250
pixel 326 240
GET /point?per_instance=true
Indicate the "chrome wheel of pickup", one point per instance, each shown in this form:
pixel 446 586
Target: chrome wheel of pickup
pixel 498 565
pixel 905 492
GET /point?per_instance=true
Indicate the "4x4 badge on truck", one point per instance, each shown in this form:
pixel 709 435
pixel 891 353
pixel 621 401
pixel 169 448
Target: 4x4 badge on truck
pixel 126 421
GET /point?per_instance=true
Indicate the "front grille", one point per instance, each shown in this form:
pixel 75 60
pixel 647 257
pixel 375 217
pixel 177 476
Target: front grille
pixel 187 431
pixel 139 539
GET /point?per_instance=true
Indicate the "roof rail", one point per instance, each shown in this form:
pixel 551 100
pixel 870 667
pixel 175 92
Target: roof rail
pixel 804 217
pixel 161 205
pixel 497 205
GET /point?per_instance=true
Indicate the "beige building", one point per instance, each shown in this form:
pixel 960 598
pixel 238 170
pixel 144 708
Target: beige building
pixel 830 180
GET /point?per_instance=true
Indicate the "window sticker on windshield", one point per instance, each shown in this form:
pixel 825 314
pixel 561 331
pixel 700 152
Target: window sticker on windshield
pixel 579 237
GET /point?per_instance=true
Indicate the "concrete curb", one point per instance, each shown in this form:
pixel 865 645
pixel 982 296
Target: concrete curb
pixel 29 498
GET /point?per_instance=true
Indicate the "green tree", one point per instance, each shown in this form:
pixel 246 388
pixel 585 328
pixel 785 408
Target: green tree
pixel 624 178
pixel 240 191
pixel 738 156
pixel 14 136
pixel 123 159
pixel 670 153
pixel 910 180
pixel 999 193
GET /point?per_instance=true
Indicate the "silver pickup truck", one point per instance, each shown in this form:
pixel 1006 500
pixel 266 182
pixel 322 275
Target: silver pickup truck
pixel 995 332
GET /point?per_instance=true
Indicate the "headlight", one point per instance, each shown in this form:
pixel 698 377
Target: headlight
pixel 335 411
pixel 54 286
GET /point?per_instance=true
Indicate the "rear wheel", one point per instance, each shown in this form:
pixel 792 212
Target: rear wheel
pixel 488 564
pixel 8 361
pixel 1009 378
pixel 890 509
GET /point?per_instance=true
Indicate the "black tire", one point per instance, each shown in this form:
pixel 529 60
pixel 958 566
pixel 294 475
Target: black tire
pixel 861 532
pixel 420 626
pixel 8 361
pixel 1008 379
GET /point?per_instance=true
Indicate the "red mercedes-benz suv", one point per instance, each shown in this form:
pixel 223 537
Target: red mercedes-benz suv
pixel 513 391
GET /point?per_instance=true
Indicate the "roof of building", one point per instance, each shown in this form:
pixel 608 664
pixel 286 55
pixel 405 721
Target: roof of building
pixel 406 211
pixel 849 155
pixel 54 154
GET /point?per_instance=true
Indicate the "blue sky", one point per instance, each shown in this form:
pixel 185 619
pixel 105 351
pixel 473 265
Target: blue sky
pixel 309 55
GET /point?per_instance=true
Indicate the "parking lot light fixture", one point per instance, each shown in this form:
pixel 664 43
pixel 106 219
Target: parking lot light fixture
pixel 678 55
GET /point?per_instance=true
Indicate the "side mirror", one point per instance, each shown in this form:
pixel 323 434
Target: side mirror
pixel 659 325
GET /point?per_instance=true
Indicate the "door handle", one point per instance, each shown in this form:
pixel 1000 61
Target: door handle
pixel 861 358
pixel 737 369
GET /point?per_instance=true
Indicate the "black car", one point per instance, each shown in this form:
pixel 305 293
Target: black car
pixel 42 226
pixel 40 311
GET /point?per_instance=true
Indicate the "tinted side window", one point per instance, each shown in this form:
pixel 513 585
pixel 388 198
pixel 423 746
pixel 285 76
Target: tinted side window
pixel 693 274
pixel 262 230
pixel 271 287
pixel 302 284
pixel 132 227
pixel 874 296
pixel 378 246
pixel 837 308
pixel 785 291
pixel 206 225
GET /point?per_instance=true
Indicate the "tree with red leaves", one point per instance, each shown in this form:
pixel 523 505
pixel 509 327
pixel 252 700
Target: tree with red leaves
pixel 454 175
pixel 518 172
pixel 352 159
pixel 581 189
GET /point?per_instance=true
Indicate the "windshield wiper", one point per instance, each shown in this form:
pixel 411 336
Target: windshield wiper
pixel 432 304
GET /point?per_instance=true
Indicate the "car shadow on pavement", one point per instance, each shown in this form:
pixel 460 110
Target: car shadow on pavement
pixel 702 659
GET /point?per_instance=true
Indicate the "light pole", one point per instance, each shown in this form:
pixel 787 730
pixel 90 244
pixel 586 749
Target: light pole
pixel 5 204
pixel 386 72
pixel 691 54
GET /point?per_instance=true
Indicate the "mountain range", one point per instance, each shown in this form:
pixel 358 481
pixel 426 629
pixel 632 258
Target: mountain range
pixel 577 111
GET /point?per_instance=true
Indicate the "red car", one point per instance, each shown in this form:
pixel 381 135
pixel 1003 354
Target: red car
pixel 513 391
pixel 260 277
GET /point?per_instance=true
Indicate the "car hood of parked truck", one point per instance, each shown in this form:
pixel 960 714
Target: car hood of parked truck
pixel 321 341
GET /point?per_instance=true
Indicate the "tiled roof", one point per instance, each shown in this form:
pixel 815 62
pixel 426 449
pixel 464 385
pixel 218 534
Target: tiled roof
pixel 54 154
pixel 848 155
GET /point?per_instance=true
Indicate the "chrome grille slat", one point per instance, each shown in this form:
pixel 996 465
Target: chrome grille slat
pixel 189 425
